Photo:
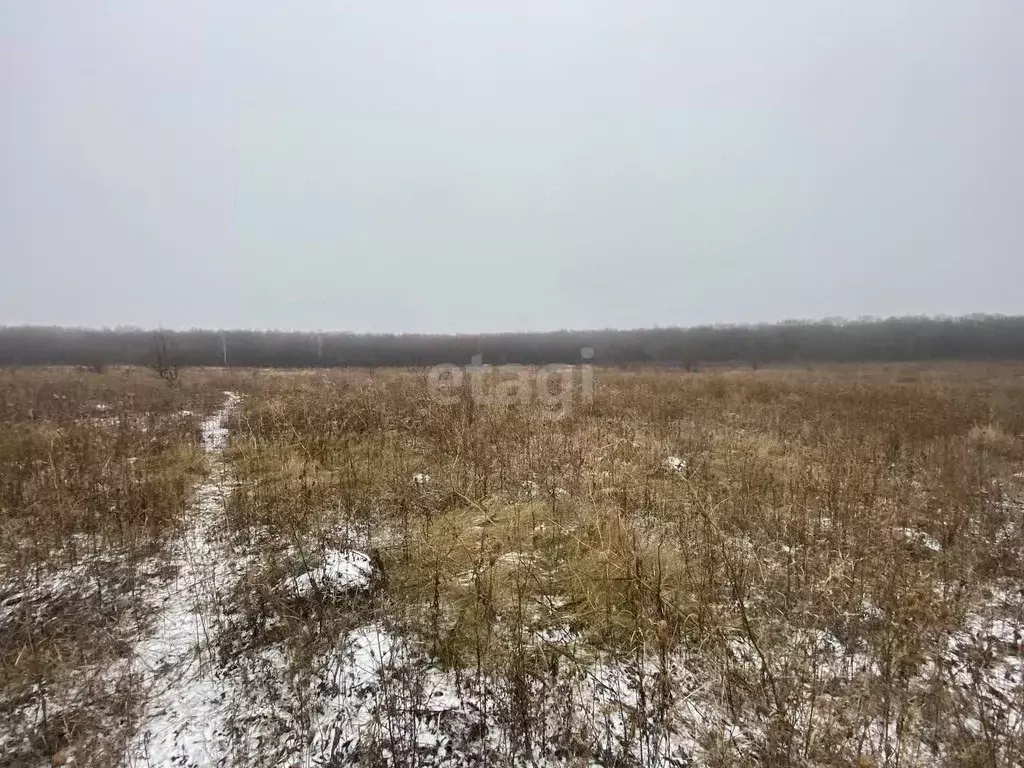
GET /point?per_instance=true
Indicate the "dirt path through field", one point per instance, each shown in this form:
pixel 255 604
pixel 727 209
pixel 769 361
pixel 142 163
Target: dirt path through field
pixel 182 721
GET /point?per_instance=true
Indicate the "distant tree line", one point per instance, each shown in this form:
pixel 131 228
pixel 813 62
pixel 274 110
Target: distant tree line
pixel 975 337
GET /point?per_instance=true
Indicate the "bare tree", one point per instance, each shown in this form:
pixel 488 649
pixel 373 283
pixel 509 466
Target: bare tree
pixel 165 369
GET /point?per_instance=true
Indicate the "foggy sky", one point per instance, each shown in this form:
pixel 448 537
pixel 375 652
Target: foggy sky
pixel 474 165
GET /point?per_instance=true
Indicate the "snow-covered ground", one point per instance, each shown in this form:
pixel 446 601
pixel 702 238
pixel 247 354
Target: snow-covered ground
pixel 182 720
pixel 341 571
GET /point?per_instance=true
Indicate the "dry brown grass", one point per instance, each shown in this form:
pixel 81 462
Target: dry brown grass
pixel 96 471
pixel 815 585
pixel 833 530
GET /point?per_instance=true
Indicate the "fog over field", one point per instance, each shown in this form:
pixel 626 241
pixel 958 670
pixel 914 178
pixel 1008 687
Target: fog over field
pixel 490 166
pixel 554 383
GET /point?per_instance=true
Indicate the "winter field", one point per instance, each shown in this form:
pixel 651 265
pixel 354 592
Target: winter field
pixel 324 568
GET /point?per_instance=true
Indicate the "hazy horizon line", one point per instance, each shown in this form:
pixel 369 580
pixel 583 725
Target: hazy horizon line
pixel 828 320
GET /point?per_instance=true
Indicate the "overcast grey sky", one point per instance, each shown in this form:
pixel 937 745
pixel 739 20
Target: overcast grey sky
pixel 473 165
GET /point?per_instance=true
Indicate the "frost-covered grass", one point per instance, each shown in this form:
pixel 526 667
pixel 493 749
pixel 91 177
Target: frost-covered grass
pixel 725 568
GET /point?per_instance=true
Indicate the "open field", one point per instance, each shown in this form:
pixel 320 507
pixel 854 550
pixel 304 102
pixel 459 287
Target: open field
pixel 321 568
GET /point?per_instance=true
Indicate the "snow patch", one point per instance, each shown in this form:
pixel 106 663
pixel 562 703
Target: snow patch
pixel 345 570
pixel 215 433
pixel 914 536
pixel 675 464
pixel 184 720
